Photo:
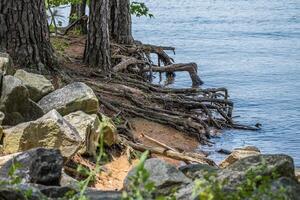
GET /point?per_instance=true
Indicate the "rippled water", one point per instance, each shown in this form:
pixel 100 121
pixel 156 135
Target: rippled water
pixel 250 47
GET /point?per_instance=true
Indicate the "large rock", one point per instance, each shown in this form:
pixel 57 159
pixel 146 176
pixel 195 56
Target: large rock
pixel 37 85
pixel 90 128
pixel 238 154
pixel 49 131
pixel 20 192
pixel 40 166
pixel 15 102
pixel 282 165
pixel 165 176
pixel 71 98
pixel 5 64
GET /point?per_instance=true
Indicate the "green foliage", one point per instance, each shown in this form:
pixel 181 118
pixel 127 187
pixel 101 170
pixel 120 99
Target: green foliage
pixel 253 188
pixel 140 9
pixel 59 44
pixel 140 186
pixel 14 180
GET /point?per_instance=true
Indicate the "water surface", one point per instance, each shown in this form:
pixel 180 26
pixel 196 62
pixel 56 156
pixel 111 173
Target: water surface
pixel 250 47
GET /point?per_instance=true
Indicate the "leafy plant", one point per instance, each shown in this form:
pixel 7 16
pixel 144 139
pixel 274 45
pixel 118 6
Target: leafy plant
pixel 140 9
pixel 253 188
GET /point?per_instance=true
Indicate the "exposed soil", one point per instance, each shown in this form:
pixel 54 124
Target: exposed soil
pixel 114 173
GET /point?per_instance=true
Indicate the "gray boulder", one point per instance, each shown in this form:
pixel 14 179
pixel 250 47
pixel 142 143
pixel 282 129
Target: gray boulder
pixel 73 97
pixel 15 102
pixel 49 131
pixel 165 176
pixel 282 165
pixel 40 166
pixel 37 84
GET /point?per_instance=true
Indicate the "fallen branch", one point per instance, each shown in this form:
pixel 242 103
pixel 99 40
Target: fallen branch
pixel 158 143
pixel 187 157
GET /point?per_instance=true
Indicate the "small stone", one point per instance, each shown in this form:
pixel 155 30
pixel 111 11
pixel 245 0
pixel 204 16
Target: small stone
pixel 71 98
pixel 238 154
pixel 37 84
pixel 49 131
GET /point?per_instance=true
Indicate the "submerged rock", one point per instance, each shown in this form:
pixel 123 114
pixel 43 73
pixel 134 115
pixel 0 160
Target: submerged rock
pixel 90 128
pixel 15 102
pixel 165 176
pixel 49 131
pixel 40 166
pixel 37 84
pixel 73 97
pixel 238 154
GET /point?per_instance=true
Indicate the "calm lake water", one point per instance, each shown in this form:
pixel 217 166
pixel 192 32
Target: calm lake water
pixel 250 47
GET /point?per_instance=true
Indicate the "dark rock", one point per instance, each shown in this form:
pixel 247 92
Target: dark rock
pixel 71 98
pixel 103 195
pixel 41 166
pixel 165 176
pixel 20 192
pixel 195 171
pixel 15 102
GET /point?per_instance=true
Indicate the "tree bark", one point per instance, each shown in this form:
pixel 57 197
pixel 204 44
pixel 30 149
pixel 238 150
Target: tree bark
pixel 24 34
pixel 120 22
pixel 97 52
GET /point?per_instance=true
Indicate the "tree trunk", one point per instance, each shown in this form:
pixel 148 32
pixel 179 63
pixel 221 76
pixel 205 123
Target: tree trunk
pixel 24 34
pixel 97 51
pixel 120 21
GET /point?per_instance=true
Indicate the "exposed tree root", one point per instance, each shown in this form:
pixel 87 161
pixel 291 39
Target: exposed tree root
pixel 128 92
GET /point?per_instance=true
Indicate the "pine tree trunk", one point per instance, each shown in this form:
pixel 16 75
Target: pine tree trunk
pixel 120 21
pixel 24 34
pixel 97 52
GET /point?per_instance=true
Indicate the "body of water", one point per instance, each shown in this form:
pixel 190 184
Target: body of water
pixel 250 47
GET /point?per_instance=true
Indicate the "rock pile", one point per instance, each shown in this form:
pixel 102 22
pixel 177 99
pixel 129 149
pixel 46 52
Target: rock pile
pixel 41 128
